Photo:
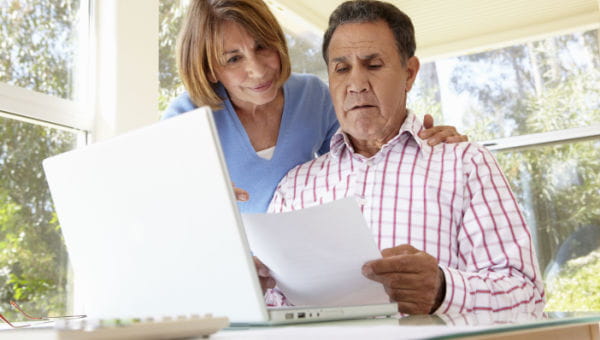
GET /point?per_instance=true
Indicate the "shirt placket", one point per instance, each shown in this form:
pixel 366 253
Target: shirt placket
pixel 364 186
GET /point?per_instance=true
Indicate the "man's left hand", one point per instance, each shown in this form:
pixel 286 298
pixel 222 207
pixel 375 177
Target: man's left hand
pixel 410 277
pixel 438 134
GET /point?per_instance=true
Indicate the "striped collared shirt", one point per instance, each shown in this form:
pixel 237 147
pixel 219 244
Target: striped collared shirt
pixel 450 200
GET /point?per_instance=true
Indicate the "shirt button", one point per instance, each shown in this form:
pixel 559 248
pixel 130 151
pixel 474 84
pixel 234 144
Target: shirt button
pixel 361 201
pixel 370 162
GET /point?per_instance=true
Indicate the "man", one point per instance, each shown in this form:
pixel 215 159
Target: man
pixel 452 234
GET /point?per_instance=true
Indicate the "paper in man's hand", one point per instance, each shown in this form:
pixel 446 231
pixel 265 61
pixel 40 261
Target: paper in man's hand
pixel 316 254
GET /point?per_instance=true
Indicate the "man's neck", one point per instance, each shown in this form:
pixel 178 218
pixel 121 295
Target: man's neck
pixel 370 147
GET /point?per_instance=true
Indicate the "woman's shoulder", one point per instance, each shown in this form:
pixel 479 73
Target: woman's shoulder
pixel 182 104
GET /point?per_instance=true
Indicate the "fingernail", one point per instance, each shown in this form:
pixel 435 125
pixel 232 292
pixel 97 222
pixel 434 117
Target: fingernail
pixel 264 272
pixel 243 197
pixel 367 270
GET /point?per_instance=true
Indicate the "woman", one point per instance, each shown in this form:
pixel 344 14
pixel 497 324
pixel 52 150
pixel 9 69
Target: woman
pixel 233 57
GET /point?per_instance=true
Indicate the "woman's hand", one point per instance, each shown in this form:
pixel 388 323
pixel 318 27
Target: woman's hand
pixel 438 134
pixel 240 194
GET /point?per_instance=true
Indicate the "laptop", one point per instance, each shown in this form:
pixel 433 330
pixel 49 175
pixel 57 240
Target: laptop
pixel 152 229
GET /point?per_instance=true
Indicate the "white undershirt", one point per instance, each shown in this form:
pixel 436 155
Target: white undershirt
pixel 266 153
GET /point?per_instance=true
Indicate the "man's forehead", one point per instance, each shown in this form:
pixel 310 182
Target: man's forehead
pixel 361 39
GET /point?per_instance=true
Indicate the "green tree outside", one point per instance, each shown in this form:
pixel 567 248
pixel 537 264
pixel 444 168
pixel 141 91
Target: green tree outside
pixel 37 41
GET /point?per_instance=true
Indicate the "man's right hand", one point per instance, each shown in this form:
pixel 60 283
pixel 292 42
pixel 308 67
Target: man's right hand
pixel 264 275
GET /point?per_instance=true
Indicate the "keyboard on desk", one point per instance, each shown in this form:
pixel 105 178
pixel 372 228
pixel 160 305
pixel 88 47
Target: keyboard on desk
pixel 168 328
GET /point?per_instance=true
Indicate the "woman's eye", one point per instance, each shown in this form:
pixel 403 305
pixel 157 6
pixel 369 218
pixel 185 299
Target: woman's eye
pixel 233 59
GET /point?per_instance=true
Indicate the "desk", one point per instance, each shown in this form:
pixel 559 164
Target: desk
pixel 478 326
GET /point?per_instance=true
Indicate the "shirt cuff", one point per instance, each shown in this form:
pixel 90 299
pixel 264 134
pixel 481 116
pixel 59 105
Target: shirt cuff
pixel 457 296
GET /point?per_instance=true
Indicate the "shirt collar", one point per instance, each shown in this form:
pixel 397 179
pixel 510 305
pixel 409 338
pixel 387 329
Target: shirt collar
pixel 411 126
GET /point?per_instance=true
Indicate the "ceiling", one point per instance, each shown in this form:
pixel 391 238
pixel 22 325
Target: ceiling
pixel 447 27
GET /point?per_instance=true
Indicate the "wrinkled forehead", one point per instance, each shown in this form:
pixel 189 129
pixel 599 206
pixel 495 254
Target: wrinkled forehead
pixel 362 40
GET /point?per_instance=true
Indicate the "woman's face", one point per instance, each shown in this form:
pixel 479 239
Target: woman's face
pixel 251 71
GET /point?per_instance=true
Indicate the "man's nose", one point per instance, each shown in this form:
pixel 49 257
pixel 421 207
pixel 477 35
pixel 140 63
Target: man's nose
pixel 358 81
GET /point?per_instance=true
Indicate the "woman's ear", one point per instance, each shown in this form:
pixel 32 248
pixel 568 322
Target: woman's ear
pixel 212 78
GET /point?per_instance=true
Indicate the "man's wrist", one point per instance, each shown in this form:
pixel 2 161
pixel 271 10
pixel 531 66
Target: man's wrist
pixel 441 293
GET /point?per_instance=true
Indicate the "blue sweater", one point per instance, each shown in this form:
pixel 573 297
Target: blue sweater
pixel 307 124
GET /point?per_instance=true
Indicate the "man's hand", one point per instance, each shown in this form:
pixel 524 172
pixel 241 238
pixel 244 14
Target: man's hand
pixel 264 275
pixel 410 277
pixel 438 134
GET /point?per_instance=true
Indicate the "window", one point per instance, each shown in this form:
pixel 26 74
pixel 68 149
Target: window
pixel 171 14
pixel 537 105
pixel 41 64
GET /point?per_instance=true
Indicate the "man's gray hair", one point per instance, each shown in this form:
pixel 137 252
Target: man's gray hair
pixel 370 11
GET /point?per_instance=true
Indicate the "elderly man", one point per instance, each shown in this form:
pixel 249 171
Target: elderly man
pixel 452 234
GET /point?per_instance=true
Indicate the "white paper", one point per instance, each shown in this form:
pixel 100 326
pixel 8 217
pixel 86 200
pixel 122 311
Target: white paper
pixel 316 254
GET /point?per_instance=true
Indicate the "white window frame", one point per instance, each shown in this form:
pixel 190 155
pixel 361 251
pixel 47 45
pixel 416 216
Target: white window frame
pixel 535 140
pixel 43 109
pixel 116 75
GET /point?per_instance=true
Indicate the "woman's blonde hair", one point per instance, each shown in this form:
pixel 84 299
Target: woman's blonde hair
pixel 200 43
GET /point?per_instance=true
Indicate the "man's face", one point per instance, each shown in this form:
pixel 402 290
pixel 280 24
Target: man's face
pixel 368 81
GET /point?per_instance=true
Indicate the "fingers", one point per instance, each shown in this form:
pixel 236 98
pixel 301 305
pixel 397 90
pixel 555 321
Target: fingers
pixel 241 194
pixel 410 277
pixel 428 121
pixel 413 263
pixel 403 249
pixel 442 133
pixel 267 283
pixel 457 139
pixel 264 275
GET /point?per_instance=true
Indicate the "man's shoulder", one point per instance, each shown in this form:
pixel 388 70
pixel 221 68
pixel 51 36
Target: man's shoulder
pixel 463 150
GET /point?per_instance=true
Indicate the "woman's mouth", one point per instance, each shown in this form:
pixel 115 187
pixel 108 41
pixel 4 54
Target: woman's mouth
pixel 262 87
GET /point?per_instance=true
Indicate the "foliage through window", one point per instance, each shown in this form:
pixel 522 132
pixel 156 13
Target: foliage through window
pixel 542 86
pixel 38 51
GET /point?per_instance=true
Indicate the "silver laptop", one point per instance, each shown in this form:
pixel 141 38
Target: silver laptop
pixel 152 229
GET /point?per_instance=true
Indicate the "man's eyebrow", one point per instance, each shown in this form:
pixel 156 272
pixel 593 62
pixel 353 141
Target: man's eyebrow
pixel 342 59
pixel 369 57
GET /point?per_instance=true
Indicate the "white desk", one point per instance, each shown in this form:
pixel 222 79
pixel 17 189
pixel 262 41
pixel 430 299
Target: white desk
pixel 480 326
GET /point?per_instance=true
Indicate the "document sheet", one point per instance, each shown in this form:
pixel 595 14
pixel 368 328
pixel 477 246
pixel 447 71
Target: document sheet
pixel 316 254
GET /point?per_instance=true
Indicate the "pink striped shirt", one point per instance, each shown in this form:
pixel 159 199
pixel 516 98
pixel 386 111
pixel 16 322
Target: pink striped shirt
pixel 451 201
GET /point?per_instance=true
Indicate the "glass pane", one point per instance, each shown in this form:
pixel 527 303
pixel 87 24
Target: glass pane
pixel 540 86
pixel 33 259
pixel 558 188
pixel 170 17
pixel 305 53
pixel 38 45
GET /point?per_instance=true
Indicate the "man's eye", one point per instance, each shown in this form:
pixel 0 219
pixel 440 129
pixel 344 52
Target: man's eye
pixel 375 66
pixel 341 69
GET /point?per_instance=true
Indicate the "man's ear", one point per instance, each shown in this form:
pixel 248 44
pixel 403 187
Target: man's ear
pixel 412 68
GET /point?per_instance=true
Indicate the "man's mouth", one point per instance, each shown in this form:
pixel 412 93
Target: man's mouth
pixel 358 107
